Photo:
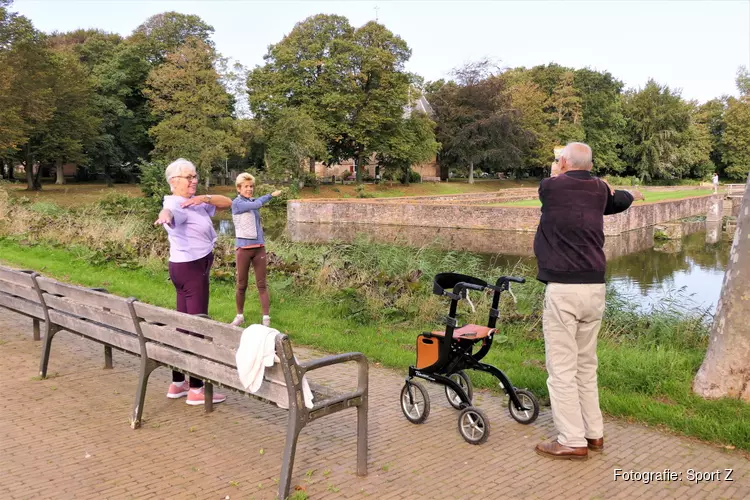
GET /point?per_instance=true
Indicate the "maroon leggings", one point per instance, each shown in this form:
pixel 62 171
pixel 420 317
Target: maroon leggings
pixel 256 257
pixel 190 280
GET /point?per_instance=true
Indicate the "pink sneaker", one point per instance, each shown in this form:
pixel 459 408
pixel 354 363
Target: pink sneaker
pixel 195 398
pixel 178 389
pixel 238 320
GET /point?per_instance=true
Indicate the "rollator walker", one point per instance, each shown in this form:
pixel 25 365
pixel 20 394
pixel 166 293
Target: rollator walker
pixel 442 357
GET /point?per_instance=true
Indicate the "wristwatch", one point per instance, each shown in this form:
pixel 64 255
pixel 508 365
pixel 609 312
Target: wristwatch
pixel 208 198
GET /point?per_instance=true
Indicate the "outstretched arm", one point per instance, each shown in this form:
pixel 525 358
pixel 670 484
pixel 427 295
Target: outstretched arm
pixel 242 205
pixel 216 200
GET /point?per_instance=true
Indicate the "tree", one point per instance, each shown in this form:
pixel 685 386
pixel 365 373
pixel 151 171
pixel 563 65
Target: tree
pixel 194 108
pixel 352 83
pixel 75 121
pixel 736 140
pixel 528 99
pixel 657 118
pixel 711 115
pixel 378 91
pixel 26 100
pixel 166 32
pixel 293 140
pixel 565 103
pixel 725 371
pixel 475 120
pixel 602 119
pixel 412 142
pixel 306 70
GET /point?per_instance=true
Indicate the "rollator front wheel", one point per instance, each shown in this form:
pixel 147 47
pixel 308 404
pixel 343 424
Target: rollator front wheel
pixel 528 400
pixel 415 402
pixel 463 380
pixel 473 425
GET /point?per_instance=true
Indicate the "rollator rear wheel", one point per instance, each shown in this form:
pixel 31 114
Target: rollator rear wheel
pixel 473 425
pixel 528 400
pixel 415 402
pixel 464 382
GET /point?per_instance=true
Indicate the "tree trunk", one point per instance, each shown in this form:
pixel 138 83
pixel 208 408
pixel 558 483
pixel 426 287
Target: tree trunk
pixel 358 167
pixel 108 176
pixel 37 181
pixel 30 185
pixel 312 165
pixel 725 371
pixel 60 173
pixel 471 172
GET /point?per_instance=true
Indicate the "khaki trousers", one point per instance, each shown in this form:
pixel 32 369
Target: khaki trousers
pixel 571 322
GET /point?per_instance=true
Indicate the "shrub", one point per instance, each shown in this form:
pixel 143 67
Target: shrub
pixel 153 184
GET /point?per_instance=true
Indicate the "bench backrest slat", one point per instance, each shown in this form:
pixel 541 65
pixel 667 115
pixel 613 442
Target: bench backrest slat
pixel 116 304
pixel 16 276
pixel 97 314
pixel 122 340
pixel 271 389
pixel 22 305
pixel 221 333
pixel 24 290
pixel 201 347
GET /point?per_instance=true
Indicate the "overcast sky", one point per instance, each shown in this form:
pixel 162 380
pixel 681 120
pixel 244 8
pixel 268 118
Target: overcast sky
pixel 695 46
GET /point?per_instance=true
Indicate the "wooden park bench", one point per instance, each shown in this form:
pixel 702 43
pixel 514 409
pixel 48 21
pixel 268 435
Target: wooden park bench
pixel 20 292
pixel 159 337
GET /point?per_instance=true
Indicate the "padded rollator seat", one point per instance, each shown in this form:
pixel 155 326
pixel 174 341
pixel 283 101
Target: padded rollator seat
pixel 469 332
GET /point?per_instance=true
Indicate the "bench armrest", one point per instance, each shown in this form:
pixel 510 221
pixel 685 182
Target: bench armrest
pixel 360 358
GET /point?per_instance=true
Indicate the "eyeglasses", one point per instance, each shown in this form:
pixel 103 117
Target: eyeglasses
pixel 190 178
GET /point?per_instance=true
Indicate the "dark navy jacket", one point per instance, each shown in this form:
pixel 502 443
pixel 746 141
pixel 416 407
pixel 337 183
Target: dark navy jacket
pixel 569 242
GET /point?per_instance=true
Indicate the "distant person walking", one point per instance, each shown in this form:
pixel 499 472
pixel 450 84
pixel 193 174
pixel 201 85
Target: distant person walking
pixel 569 246
pixel 187 219
pixel 250 244
pixel 716 182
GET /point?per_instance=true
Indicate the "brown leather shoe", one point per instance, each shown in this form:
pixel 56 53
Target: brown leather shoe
pixel 553 449
pixel 595 444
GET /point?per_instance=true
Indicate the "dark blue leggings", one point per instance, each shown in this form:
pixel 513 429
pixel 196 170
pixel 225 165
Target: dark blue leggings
pixel 190 280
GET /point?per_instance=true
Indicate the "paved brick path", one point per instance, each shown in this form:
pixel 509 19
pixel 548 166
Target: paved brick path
pixel 68 437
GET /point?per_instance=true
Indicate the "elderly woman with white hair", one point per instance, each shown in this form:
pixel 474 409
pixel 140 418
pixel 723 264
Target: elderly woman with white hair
pixel 187 219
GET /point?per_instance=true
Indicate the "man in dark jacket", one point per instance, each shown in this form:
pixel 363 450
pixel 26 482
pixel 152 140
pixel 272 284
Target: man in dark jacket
pixel 569 247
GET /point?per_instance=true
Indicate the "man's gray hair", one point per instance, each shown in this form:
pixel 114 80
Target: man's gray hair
pixel 175 168
pixel 578 156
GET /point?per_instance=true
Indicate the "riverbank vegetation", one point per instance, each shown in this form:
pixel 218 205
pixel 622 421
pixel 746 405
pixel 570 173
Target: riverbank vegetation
pixel 376 298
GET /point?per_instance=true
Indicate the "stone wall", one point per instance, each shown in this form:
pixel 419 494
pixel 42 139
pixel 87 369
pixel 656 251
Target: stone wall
pixel 428 213
pixel 518 243
pixel 649 214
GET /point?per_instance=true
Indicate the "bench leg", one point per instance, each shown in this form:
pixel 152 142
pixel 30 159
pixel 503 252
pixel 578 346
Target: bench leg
pixel 49 333
pixel 107 357
pixel 287 460
pixel 208 395
pixel 37 335
pixel 362 438
pixel 147 366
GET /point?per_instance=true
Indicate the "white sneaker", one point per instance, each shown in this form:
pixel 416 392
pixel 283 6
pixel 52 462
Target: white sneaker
pixel 238 320
pixel 266 321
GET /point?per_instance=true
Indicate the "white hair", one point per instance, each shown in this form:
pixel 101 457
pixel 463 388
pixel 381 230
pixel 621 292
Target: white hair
pixel 176 167
pixel 578 155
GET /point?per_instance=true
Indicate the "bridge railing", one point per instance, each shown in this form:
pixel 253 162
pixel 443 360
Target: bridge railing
pixel 735 189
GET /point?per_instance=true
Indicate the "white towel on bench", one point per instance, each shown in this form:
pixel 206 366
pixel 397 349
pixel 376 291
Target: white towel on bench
pixel 257 351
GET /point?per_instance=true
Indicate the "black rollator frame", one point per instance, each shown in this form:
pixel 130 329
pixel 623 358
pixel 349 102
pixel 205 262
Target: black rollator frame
pixel 455 354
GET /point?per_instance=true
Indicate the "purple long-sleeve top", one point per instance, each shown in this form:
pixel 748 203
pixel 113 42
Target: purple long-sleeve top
pixel 191 233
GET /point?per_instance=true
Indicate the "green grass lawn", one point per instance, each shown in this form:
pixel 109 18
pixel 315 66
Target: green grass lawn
pixel 651 197
pixel 639 383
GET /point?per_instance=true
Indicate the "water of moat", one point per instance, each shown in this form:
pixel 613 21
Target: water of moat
pixel 686 273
